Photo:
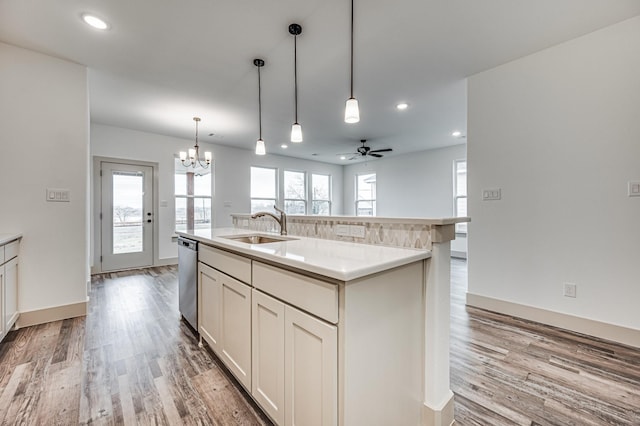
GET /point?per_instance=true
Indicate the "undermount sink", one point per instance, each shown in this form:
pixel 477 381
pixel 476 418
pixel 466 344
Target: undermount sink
pixel 258 238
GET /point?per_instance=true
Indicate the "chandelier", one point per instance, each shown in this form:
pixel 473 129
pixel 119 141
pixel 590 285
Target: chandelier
pixel 193 158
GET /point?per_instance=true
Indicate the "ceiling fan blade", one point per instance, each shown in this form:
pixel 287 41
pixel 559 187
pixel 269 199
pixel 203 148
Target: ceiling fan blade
pixel 355 157
pixel 382 150
pixel 376 155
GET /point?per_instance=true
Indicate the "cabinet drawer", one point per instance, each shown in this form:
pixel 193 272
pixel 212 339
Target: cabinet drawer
pixel 229 263
pixel 309 294
pixel 10 250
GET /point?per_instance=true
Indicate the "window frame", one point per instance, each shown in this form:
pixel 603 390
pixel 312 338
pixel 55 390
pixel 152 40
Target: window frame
pixel 372 201
pixel 186 196
pixel 251 198
pixel 305 199
pixel 313 199
pixel 461 228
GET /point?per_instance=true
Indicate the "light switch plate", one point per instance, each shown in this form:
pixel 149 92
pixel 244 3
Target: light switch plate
pixel 634 189
pixel 491 194
pixel 342 230
pixel 58 195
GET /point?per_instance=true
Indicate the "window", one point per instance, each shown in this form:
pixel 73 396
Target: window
pixel 366 195
pixel 263 189
pixel 460 193
pixel 193 197
pixel 321 195
pixel 295 193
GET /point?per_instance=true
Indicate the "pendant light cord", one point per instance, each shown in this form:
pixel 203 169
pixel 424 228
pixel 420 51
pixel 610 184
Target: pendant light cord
pixel 259 104
pixel 196 133
pixel 352 48
pixel 295 73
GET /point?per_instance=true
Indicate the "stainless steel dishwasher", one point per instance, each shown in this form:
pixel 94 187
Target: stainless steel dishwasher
pixel 188 281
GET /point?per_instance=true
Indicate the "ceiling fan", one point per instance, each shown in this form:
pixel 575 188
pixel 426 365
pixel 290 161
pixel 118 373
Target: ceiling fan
pixel 364 151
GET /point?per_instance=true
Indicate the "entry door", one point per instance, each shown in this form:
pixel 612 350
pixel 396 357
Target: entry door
pixel 127 216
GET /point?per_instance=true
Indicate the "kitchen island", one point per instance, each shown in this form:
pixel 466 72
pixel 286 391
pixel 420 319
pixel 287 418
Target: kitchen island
pixel 319 331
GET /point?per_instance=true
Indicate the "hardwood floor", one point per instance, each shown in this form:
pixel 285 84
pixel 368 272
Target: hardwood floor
pixel 131 361
pixel 507 371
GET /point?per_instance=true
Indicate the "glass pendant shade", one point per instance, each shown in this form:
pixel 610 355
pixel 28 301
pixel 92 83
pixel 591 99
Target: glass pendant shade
pixel 260 148
pixel 183 155
pixel 351 111
pixel 208 157
pixel 296 133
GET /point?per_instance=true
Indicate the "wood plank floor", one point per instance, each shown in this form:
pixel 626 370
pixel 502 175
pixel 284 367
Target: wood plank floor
pixel 131 361
pixel 507 371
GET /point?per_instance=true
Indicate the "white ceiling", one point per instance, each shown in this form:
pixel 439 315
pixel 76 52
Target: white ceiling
pixel 165 61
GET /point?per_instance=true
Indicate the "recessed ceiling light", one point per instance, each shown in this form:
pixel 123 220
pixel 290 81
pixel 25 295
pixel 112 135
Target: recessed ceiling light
pixel 95 22
pixel 342 157
pixel 284 146
pixel 456 134
pixel 402 106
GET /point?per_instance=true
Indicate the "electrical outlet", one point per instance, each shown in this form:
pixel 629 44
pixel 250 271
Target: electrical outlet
pixel 342 230
pixel 633 189
pixel 357 231
pixel 569 289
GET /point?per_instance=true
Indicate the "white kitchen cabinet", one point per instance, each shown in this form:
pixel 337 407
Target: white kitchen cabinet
pixel 8 286
pixel 10 314
pixel 236 328
pixel 267 384
pixel 224 311
pixel 322 351
pixel 209 306
pixel 295 364
pixel 311 370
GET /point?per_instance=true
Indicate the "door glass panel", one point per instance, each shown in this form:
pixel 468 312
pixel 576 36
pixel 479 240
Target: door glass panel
pixel 127 212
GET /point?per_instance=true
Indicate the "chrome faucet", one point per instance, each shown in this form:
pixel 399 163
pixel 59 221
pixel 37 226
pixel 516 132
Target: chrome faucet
pixel 282 220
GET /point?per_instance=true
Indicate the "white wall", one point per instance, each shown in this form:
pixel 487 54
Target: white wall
pixel 44 144
pixel 558 132
pixel 231 173
pixel 419 184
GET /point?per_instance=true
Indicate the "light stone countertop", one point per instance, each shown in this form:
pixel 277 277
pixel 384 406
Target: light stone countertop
pixel 339 260
pixel 7 238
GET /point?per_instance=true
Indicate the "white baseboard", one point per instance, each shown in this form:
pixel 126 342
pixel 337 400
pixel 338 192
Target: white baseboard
pixel 439 416
pixel 57 313
pixel 159 262
pixel 602 330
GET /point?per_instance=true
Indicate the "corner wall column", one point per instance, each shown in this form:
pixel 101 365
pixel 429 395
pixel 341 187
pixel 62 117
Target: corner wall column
pixel 438 397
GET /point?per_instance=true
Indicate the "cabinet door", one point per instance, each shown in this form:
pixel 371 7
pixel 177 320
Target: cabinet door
pixel 10 294
pixel 2 324
pixel 267 384
pixel 210 306
pixel 311 370
pixel 236 328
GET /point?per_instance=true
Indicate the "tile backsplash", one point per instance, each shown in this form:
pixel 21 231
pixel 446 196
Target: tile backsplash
pixel 394 232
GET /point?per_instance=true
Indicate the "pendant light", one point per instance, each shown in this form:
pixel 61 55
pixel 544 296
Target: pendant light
pixel 351 111
pixel 296 128
pixel 260 148
pixel 193 158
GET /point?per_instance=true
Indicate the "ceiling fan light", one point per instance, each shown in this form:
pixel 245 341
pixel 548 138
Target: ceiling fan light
pixel 260 147
pixel 296 133
pixel 351 111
